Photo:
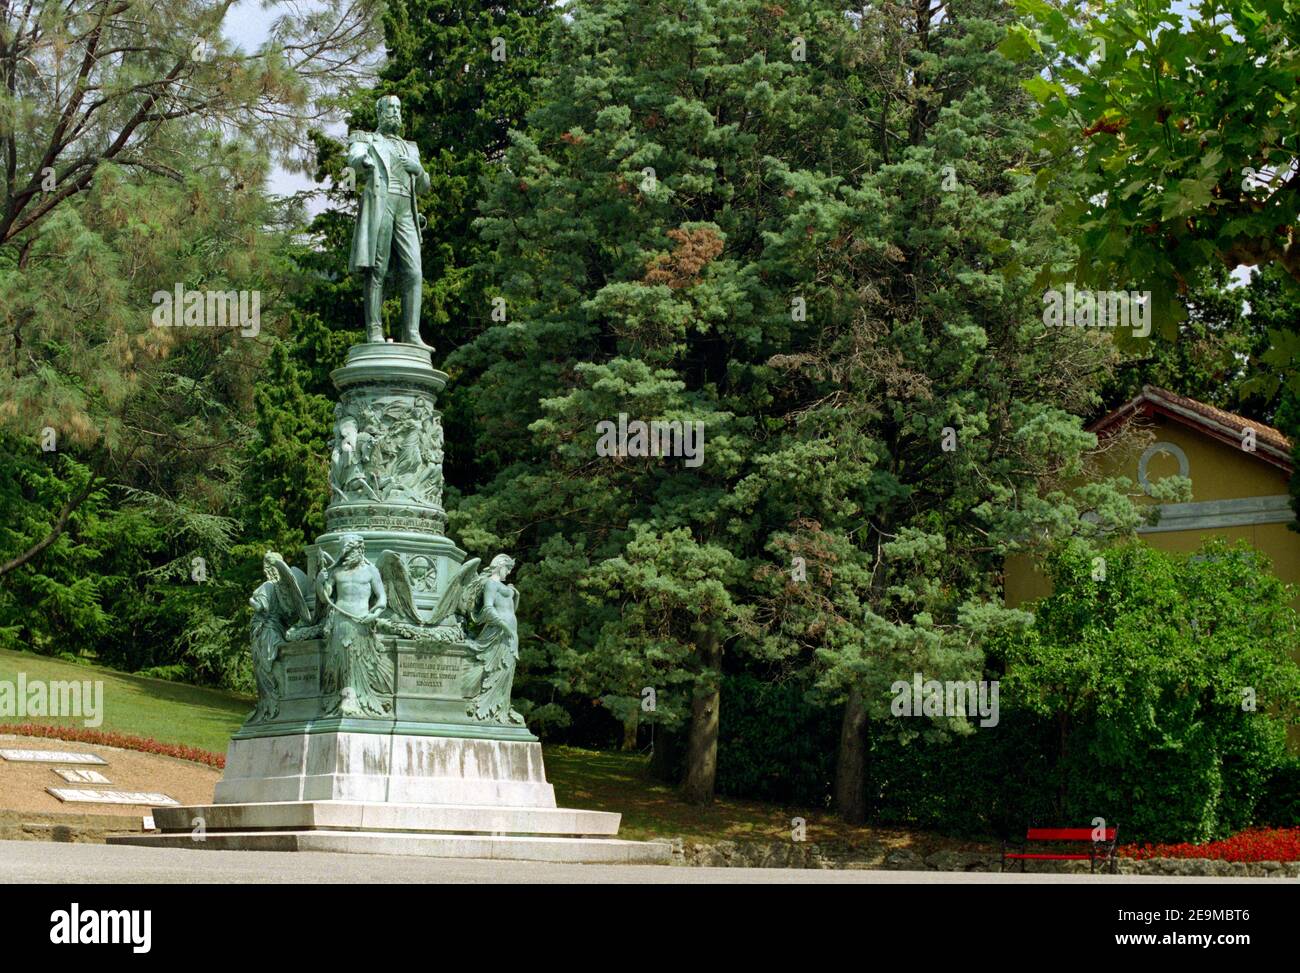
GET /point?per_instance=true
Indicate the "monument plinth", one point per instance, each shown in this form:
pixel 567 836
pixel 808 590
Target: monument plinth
pixel 384 670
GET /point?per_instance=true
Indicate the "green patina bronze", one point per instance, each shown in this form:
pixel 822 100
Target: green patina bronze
pixel 390 629
pixel 386 239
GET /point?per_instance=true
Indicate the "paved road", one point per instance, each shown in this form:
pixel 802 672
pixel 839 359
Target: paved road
pixel 38 861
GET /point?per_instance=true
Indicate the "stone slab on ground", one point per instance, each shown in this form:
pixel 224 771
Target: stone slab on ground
pixel 80 795
pixel 23 785
pixel 51 757
pixel 81 776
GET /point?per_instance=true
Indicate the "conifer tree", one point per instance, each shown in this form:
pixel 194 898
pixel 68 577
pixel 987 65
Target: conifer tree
pixel 738 214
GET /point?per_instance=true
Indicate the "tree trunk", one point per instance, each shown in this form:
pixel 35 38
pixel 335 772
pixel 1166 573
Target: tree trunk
pixel 702 740
pixel 851 762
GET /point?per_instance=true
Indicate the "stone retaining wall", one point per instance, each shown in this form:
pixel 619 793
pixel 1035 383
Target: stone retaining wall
pixel 73 827
pixel 790 854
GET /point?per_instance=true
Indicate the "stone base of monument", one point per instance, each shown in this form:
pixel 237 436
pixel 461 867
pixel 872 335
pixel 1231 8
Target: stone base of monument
pixel 385 767
pixel 394 794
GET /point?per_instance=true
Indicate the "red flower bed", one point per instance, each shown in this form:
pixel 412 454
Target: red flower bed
pixel 123 741
pixel 1251 845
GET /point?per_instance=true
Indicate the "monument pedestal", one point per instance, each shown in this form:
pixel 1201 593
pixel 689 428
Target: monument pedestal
pixel 393 794
pixel 427 830
pixel 383 723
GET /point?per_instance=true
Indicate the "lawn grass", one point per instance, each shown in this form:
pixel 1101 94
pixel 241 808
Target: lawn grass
pixel 608 781
pixel 170 712
pixel 598 780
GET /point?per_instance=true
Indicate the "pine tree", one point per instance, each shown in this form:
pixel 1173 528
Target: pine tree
pixel 735 213
pixel 630 225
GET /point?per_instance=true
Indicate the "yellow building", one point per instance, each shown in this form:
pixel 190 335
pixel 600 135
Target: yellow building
pixel 1238 468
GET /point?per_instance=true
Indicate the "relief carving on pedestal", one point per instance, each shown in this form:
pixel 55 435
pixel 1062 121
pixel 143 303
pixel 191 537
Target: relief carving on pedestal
pixel 386 452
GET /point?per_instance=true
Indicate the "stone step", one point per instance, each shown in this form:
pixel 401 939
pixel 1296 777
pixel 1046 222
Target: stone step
pixel 360 816
pixel 510 847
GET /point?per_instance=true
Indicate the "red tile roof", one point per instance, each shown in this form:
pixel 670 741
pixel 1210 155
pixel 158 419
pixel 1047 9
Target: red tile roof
pixel 1271 445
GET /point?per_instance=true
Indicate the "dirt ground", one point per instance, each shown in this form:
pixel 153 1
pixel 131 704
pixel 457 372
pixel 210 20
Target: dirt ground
pixel 22 785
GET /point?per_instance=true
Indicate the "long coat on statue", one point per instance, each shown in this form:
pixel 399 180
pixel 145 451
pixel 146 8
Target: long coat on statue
pixel 365 236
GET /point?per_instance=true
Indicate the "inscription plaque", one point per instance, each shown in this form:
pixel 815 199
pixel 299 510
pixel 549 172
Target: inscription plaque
pixel 81 776
pixel 302 676
pixel 430 675
pixel 85 796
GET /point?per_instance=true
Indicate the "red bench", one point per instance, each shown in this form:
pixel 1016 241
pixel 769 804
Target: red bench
pixel 1099 852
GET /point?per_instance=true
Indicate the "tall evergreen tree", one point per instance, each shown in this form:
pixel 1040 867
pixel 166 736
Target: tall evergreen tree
pixel 735 213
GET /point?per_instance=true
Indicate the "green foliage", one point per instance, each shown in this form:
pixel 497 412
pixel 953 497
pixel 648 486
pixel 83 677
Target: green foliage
pixel 147 423
pixel 1224 351
pixel 118 585
pixel 284 502
pixel 1280 805
pixel 622 298
pixel 1183 127
pixel 992 782
pixel 1145 670
pixel 683 179
pixel 1123 701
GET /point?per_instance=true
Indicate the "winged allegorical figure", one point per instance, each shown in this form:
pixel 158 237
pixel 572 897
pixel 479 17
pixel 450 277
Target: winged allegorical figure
pixel 403 618
pixel 278 606
pixel 491 603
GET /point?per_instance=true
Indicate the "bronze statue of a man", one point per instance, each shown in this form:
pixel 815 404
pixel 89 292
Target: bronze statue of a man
pixel 387 235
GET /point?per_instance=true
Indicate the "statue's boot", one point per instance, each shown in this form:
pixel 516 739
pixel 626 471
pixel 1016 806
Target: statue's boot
pixel 413 338
pixel 411 315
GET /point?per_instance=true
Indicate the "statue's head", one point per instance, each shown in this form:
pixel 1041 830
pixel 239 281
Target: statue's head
pixel 268 565
pixel 348 429
pixel 388 112
pixel 354 549
pixel 501 566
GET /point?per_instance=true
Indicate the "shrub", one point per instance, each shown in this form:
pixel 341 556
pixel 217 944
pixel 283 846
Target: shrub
pixel 1144 665
pixel 773 744
pixel 1280 805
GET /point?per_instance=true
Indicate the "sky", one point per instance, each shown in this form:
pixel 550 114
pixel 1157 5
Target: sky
pixel 247 25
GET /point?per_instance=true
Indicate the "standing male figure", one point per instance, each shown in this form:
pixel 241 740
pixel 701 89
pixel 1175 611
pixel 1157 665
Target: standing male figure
pixel 387 226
